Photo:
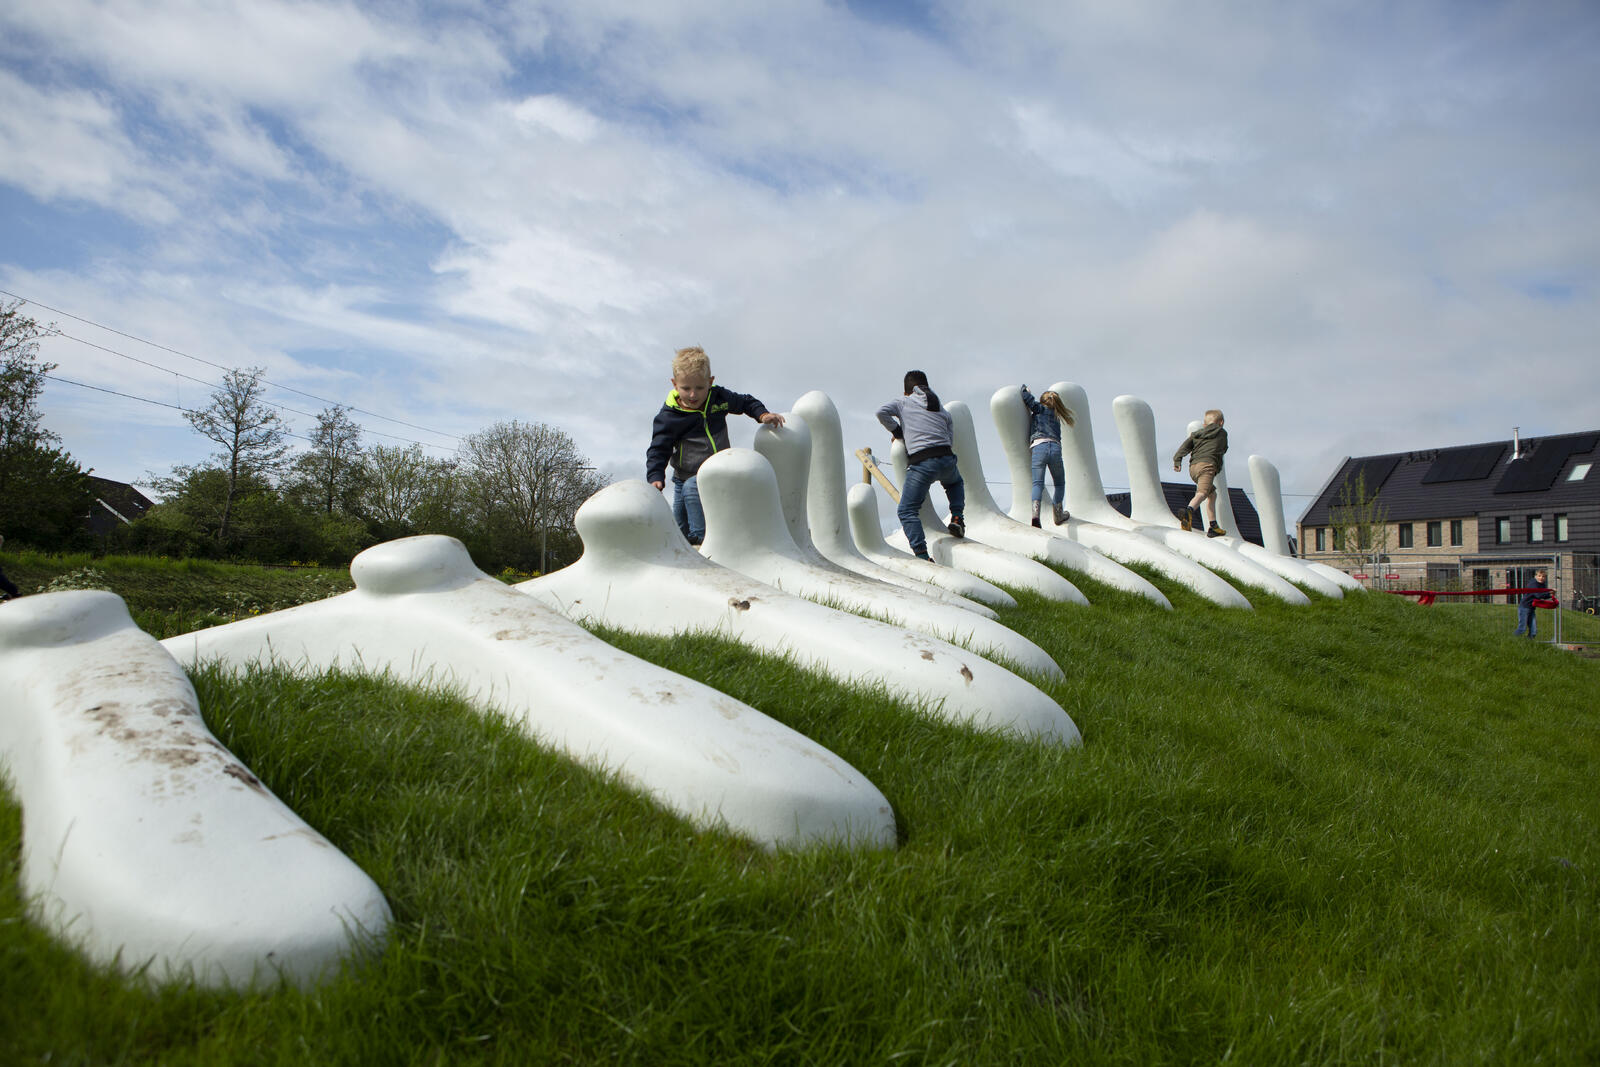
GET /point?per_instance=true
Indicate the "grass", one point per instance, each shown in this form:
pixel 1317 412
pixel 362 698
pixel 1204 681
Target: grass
pixel 1359 831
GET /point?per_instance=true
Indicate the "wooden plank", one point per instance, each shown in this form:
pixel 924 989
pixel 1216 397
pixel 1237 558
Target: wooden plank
pixel 870 470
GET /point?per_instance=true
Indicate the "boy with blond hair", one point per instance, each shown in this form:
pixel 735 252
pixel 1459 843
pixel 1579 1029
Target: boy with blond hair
pixel 1205 449
pixel 690 427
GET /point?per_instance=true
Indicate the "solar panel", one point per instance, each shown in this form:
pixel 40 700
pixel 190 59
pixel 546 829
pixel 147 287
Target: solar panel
pixel 1371 473
pixel 1468 464
pixel 1537 470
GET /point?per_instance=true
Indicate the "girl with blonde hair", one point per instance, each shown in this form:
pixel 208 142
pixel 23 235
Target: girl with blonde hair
pixel 1044 448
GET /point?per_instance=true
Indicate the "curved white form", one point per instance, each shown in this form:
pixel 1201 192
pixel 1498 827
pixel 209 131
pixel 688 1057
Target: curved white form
pixel 974 557
pixel 1269 502
pixel 637 573
pixel 1286 567
pixel 988 524
pixel 1137 426
pixel 1094 522
pixel 826 519
pixel 423 614
pixel 868 530
pixel 746 531
pixel 144 841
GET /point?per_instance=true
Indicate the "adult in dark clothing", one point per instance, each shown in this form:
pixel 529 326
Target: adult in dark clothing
pixel 1527 620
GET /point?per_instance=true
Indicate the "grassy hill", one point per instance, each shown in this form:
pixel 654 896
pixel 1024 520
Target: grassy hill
pixel 1362 831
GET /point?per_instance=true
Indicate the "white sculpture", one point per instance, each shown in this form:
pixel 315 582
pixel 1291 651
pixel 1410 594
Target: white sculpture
pixel 637 573
pixel 988 524
pixel 1137 426
pixel 974 557
pixel 867 531
pixel 746 532
pixel 823 525
pixel 1269 503
pixel 144 840
pixel 1286 567
pixel 423 614
pixel 1094 522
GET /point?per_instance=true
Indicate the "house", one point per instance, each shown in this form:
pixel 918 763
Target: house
pixel 1179 495
pixel 115 503
pixel 1470 516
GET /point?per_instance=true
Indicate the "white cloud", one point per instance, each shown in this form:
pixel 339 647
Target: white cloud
pixel 1296 213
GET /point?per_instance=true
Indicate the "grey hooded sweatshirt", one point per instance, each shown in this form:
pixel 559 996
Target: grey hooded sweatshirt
pixel 922 421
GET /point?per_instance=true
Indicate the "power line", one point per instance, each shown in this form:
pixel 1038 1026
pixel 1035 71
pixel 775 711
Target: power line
pixel 218 366
pixel 160 403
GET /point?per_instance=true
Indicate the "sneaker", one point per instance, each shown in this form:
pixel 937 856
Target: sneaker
pixel 1036 524
pixel 958 528
pixel 924 555
pixel 1215 531
pixel 1062 515
pixel 1184 521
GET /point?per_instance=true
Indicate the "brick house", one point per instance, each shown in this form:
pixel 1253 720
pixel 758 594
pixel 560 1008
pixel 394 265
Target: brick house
pixel 1477 515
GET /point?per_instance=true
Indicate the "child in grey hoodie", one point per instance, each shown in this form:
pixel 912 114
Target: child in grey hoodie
pixel 921 421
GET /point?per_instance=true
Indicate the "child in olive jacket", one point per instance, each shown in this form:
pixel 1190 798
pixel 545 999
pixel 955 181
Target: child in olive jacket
pixel 1205 449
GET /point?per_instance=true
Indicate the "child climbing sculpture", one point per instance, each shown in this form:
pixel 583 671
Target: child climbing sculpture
pixel 1205 449
pixel 1044 449
pixel 922 422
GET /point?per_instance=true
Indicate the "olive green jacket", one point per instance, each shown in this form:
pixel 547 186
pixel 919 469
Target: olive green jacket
pixel 1208 444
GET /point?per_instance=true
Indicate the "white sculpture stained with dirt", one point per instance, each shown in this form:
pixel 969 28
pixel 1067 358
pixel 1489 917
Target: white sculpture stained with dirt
pixel 423 614
pixel 145 841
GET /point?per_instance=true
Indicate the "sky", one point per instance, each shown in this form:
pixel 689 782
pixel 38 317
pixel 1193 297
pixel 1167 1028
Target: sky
pixel 1355 227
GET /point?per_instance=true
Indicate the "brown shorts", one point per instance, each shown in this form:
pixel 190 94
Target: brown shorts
pixel 1203 474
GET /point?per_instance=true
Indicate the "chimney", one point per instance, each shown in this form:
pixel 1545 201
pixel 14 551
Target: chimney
pixel 1516 442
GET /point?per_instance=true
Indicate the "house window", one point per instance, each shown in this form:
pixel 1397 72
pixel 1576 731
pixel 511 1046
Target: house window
pixel 1502 530
pixel 1561 527
pixel 1455 532
pixel 1435 534
pixel 1579 472
pixel 1406 539
pixel 1338 538
pixel 1322 539
pixel 1535 528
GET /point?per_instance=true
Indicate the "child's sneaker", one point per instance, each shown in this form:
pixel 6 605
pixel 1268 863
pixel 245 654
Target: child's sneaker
pixel 1184 521
pixel 1035 524
pixel 924 555
pixel 958 528
pixel 1215 531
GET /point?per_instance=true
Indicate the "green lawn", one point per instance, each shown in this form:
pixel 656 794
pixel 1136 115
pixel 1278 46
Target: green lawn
pixel 1358 832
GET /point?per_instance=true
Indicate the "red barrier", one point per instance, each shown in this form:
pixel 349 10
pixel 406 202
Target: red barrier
pixel 1425 596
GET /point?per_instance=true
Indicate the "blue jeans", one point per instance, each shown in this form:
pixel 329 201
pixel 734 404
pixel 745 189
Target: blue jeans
pixel 686 508
pixel 919 479
pixel 1526 620
pixel 1047 456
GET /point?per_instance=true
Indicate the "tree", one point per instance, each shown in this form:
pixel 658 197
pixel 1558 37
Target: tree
pixel 1360 523
pixel 525 481
pixel 250 433
pixel 44 493
pixel 330 473
pixel 407 492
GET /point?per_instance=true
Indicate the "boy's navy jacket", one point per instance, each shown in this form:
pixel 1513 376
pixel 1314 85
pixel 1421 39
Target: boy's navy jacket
pixel 687 438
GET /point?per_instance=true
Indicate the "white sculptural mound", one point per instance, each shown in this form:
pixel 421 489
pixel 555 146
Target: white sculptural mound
pixel 1094 523
pixel 638 573
pixel 144 840
pixel 423 614
pixel 1137 426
